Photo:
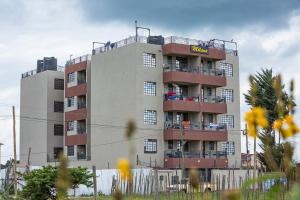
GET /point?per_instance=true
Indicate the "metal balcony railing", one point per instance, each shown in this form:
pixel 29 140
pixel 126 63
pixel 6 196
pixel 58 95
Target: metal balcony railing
pixel 186 125
pixel 194 69
pixel 81 105
pixel 195 154
pixel 172 96
pixel 213 99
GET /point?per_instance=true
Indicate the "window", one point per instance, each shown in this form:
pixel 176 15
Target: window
pixel 59 84
pixel 57 151
pixel 226 68
pixel 71 77
pixel 170 144
pixel 70 151
pixel 71 126
pixel 149 88
pixel 228 147
pixel 58 106
pixel 174 179
pixel 150 117
pixel 150 146
pixel 228 120
pixel 58 129
pixel 149 60
pixel 209 92
pixel 211 146
pixel 71 101
pixel 228 95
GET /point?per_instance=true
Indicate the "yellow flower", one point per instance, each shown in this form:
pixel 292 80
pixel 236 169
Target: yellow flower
pixel 286 126
pixel 256 118
pixel 124 169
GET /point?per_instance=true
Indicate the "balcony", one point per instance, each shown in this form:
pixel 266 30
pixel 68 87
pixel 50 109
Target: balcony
pixel 183 46
pixel 212 159
pixel 209 132
pixel 194 75
pixel 174 102
pixel 79 139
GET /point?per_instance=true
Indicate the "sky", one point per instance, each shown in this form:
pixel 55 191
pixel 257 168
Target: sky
pixel 267 33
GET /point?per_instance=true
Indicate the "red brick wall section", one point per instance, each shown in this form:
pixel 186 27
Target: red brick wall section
pixel 76 90
pixel 181 105
pixel 203 135
pixel 79 139
pixel 76 115
pixel 196 78
pixel 183 49
pixel 219 108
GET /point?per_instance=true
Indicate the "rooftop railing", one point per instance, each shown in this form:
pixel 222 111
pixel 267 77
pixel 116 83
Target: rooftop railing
pixel 34 71
pixel 194 69
pixel 79 59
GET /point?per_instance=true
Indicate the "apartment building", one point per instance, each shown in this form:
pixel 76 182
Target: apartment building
pixel 41 114
pixel 183 95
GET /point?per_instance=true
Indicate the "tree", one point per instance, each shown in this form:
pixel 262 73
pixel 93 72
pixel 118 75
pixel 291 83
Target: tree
pixel 262 93
pixel 80 176
pixel 39 183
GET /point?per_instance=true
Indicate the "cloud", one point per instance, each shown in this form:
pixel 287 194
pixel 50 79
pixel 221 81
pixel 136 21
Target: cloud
pixel 192 13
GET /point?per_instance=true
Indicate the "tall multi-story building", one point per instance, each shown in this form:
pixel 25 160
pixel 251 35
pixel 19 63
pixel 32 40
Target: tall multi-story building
pixel 183 95
pixel 41 115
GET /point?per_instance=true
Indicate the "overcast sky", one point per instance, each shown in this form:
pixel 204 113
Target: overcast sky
pixel 267 32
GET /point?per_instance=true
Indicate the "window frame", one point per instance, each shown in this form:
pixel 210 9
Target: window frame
pixel 228 94
pixel 71 77
pixel 60 132
pixel 58 106
pixel 150 146
pixel 72 150
pixel 227 68
pixel 150 117
pixel 149 60
pixel 59 84
pixel 149 88
pixel 224 120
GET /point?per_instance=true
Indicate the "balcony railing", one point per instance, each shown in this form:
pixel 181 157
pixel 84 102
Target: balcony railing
pixel 213 99
pixel 186 125
pixel 173 97
pixel 34 71
pixel 194 69
pixel 81 105
pixel 195 154
pixel 81 130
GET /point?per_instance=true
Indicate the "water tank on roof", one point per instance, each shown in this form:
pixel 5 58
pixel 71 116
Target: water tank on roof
pixel 159 40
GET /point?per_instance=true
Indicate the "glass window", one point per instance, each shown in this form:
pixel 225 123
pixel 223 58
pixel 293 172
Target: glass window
pixel 170 144
pixel 228 147
pixel 227 68
pixel 71 77
pixel 211 146
pixel 149 60
pixel 71 126
pixel 150 117
pixel 71 101
pixel 228 95
pixel 149 88
pixel 59 84
pixel 57 151
pixel 228 120
pixel 58 129
pixel 58 106
pixel 150 146
pixel 70 150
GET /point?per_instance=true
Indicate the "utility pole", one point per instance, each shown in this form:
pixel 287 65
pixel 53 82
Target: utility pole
pixel 245 133
pixel 95 182
pixel 182 149
pixel 15 151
